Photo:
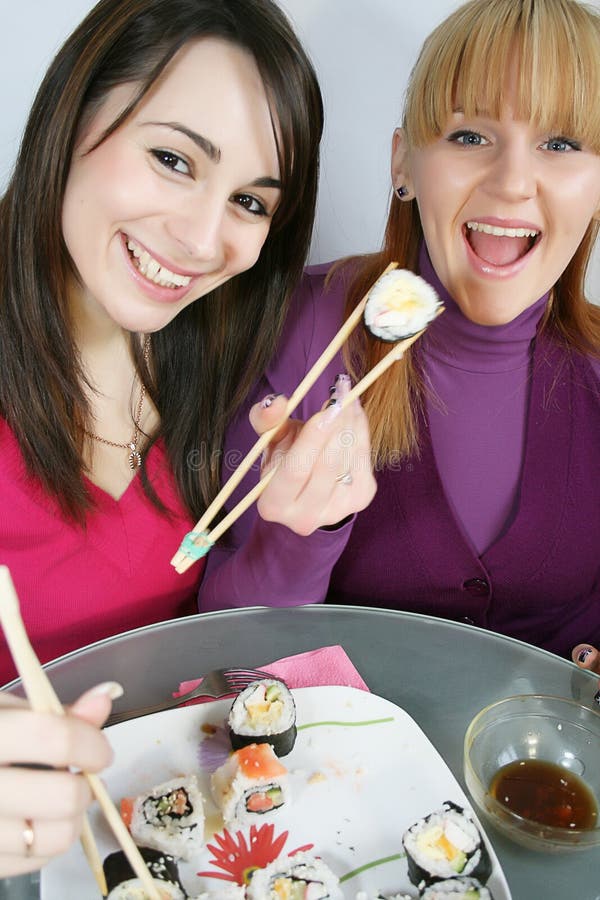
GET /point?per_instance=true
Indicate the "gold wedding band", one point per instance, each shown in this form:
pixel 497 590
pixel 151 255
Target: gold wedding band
pixel 344 478
pixel 28 837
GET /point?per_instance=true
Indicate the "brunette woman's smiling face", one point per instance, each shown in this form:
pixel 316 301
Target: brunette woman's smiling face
pixel 503 206
pixel 180 197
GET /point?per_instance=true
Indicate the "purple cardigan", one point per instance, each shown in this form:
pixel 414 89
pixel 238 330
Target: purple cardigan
pixel 496 522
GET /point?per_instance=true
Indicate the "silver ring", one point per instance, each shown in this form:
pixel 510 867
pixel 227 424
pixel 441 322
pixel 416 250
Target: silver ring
pixel 28 837
pixel 344 478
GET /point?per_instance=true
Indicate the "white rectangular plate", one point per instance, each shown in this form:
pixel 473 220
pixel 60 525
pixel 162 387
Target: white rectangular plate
pixel 361 772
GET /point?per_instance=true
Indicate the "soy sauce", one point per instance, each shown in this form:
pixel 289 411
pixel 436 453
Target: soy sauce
pixel 545 792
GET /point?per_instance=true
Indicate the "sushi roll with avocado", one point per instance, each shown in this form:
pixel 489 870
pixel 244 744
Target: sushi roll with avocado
pixel 399 305
pixel 457 889
pixel 294 877
pixel 169 818
pixel 123 883
pixel 250 784
pixel 445 844
pixel 264 712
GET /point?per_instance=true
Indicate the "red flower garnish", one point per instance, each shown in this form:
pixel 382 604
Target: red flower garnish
pixel 239 858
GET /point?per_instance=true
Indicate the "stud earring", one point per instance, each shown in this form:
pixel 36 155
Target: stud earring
pixel 402 192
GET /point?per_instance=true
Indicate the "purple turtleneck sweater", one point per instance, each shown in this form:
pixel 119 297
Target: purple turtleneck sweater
pixel 458 531
pixel 478 378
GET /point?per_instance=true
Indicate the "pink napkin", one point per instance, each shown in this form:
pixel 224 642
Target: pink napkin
pixel 325 666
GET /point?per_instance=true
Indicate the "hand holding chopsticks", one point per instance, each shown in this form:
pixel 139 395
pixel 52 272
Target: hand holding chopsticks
pixel 405 292
pixel 43 699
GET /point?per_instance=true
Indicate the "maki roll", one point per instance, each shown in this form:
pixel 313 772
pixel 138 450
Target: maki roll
pixel 445 844
pixel 264 712
pixel 251 783
pixel 169 818
pixel 457 889
pixel 123 883
pixel 399 305
pixel 294 878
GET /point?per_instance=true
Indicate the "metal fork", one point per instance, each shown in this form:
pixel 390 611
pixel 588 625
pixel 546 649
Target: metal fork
pixel 218 683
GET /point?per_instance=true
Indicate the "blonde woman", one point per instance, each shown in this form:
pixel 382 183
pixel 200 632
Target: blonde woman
pixel 487 435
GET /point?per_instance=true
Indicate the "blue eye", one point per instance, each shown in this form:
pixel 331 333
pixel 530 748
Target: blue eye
pixel 561 145
pixel 468 138
pixel 171 161
pixel 251 204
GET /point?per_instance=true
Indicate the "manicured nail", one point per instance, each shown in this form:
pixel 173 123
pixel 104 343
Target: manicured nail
pixel 110 689
pixel 268 400
pixel 330 413
pixel 343 381
pixel 584 654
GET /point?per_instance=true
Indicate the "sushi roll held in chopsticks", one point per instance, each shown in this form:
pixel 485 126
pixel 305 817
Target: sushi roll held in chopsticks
pixel 399 305
pixel 264 712
pixel 169 818
pixel 123 883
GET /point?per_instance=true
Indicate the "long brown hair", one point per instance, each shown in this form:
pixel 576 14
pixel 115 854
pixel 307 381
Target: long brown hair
pixel 468 56
pixel 204 361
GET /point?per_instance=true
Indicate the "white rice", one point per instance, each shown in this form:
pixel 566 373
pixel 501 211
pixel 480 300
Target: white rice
pixel 400 304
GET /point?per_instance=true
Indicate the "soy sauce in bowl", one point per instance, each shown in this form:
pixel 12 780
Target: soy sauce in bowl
pixel 545 792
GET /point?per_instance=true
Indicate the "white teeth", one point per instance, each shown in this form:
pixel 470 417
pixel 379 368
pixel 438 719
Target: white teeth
pixel 501 232
pixel 153 271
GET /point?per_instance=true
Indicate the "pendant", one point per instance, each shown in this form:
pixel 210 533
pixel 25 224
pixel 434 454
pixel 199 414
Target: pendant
pixel 135 457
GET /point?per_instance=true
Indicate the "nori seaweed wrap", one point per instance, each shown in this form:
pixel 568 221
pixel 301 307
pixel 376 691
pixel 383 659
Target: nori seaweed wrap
pixel 446 844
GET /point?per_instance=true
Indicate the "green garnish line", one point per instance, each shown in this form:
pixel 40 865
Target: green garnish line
pixel 346 724
pixel 371 865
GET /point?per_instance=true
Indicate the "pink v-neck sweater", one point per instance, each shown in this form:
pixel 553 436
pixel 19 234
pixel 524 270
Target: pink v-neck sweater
pixel 79 585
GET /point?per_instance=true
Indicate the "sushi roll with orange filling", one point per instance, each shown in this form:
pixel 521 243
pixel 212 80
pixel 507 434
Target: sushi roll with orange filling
pixel 399 305
pixel 445 844
pixel 251 784
pixel 298 877
pixel 264 712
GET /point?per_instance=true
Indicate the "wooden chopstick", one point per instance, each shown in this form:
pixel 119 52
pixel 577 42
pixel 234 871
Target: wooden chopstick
pixel 181 561
pixel 389 359
pixel 42 697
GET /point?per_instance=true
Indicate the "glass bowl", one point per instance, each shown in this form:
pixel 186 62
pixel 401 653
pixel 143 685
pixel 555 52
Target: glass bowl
pixel 539 728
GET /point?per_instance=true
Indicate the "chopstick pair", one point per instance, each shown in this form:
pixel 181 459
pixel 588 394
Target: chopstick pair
pixel 42 698
pixel 199 541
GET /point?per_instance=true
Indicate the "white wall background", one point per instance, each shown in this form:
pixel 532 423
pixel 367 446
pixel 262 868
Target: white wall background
pixel 363 51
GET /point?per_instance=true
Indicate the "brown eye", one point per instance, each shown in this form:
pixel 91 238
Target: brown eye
pixel 250 203
pixel 171 161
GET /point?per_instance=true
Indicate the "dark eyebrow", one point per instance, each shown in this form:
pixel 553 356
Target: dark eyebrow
pixel 211 150
pixel 267 182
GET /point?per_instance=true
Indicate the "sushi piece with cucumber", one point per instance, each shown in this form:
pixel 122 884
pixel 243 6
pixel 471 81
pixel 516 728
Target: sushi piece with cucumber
pixel 123 883
pixel 264 712
pixel 399 305
pixel 457 889
pixel 445 844
pixel 298 877
pixel 250 784
pixel 169 817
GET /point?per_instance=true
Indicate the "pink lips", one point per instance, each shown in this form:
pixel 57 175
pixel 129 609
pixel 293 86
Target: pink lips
pixel 150 288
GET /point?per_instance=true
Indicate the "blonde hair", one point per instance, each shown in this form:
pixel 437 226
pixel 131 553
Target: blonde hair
pixel 465 62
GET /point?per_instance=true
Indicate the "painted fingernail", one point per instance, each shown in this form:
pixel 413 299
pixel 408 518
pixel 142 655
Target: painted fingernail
pixel 330 413
pixel 268 400
pixel 584 654
pixel 597 698
pixel 110 689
